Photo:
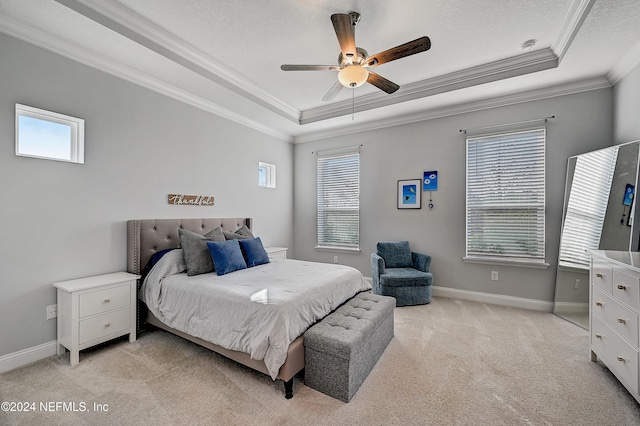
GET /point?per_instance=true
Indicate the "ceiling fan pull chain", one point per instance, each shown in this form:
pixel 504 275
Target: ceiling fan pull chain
pixel 353 104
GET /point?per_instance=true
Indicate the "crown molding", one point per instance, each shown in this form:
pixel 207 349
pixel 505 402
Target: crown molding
pixel 139 30
pixel 627 64
pixel 498 70
pixel 89 58
pixel 573 19
pixel 463 108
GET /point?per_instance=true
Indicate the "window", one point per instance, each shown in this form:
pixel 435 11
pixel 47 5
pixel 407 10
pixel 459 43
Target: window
pixel 49 135
pixel 506 197
pixel 585 212
pixel 339 200
pixel 266 175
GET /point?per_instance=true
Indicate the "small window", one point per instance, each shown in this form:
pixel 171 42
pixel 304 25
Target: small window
pixel 49 135
pixel 266 175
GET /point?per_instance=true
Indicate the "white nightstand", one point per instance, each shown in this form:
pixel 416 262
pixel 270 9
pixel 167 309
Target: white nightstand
pixel 95 309
pixel 276 252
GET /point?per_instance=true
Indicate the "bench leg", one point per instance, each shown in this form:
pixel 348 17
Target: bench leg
pixel 288 388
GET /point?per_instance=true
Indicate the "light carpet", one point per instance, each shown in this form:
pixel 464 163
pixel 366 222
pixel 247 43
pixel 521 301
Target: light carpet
pixel 451 362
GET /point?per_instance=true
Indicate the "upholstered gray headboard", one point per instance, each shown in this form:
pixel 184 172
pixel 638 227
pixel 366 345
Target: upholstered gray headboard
pixel 148 236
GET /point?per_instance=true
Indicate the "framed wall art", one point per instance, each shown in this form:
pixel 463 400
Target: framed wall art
pixel 409 194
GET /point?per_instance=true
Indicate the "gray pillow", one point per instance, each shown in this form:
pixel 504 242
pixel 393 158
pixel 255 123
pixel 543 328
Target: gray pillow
pixel 196 253
pixel 241 234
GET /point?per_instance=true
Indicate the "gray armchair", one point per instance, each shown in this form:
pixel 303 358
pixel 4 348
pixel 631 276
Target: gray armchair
pixel 401 273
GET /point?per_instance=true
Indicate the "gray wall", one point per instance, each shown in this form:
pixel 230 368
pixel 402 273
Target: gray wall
pixel 583 123
pixel 63 221
pixel 626 108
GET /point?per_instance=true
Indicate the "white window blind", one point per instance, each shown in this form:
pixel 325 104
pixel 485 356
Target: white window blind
pixel 506 196
pixel 585 211
pixel 339 200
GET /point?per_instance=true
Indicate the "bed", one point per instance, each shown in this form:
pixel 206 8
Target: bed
pixel 290 294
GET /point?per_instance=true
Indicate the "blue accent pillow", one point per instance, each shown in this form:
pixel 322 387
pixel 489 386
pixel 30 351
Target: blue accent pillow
pixel 227 256
pixel 254 252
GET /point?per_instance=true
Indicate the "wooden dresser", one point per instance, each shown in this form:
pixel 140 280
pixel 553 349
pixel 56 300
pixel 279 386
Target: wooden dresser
pixel 613 314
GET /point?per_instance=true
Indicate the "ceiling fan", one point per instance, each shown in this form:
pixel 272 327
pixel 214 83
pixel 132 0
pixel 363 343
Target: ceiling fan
pixel 354 62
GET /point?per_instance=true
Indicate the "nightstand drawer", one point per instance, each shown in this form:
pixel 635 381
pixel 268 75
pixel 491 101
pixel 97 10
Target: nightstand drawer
pixel 103 325
pixel 100 301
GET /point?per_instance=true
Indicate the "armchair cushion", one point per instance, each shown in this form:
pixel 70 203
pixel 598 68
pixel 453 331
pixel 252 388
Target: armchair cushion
pixel 405 277
pixel 396 254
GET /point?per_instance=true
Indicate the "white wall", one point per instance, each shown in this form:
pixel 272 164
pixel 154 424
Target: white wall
pixel 63 221
pixel 583 123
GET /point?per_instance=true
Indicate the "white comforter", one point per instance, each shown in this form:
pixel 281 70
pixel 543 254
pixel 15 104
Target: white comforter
pixel 258 310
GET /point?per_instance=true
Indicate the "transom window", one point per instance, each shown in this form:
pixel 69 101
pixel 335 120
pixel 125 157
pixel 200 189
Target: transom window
pixel 49 135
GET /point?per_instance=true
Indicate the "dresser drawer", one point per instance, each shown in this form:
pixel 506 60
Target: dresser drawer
pixel 104 325
pixel 100 301
pixel 620 357
pixel 626 287
pixel 617 316
pixel 601 275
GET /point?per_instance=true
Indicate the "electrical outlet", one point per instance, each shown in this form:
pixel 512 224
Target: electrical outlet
pixel 335 259
pixel 494 275
pixel 52 311
pixel 577 284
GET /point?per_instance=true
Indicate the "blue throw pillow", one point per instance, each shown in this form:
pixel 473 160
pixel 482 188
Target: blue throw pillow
pixel 227 256
pixel 253 251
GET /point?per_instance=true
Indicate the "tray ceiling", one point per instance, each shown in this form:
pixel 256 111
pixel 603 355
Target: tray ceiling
pixel 225 56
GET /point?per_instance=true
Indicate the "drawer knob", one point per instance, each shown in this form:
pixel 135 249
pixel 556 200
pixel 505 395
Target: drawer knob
pixel 619 358
pixel 622 287
pixel 107 300
pixel 621 321
pixel 108 324
pixel 598 303
pixel 599 275
pixel 598 336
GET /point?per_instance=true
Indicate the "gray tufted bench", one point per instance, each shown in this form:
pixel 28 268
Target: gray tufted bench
pixel 343 348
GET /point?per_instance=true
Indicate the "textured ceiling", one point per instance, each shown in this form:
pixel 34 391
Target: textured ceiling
pixel 225 56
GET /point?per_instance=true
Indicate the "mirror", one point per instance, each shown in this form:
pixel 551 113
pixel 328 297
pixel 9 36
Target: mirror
pixel 599 213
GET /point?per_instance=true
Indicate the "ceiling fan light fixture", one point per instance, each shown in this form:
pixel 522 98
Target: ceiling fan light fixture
pixel 353 76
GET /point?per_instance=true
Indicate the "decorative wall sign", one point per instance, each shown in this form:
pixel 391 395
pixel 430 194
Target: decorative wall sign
pixel 191 200
pixel 409 194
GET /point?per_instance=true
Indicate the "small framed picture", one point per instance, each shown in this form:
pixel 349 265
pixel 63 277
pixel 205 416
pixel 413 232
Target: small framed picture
pixel 409 194
pixel 430 182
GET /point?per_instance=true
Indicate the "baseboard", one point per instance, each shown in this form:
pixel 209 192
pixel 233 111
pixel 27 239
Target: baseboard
pixel 572 307
pixel 27 356
pixel 494 299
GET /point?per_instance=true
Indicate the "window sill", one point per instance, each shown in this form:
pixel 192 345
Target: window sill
pixel 505 262
pixel 340 249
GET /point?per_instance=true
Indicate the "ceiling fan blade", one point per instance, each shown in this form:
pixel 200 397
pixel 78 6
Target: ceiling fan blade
pixel 418 45
pixel 288 67
pixel 346 34
pixel 382 83
pixel 333 91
